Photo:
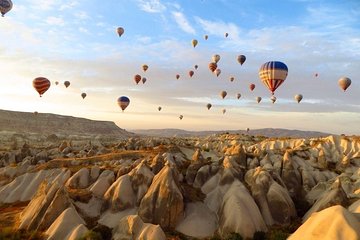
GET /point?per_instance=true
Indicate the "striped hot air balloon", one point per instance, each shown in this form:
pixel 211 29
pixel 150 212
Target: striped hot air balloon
pixel 41 85
pixel 212 66
pixel 273 74
pixel 123 102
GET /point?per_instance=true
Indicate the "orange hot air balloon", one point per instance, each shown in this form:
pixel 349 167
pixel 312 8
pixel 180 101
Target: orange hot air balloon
pixel 137 78
pixel 120 31
pixel 67 84
pixel 252 87
pixel 177 76
pixel 212 66
pixel 191 73
pixel 41 85
pixel 217 72
pixel 344 83
pixel 145 67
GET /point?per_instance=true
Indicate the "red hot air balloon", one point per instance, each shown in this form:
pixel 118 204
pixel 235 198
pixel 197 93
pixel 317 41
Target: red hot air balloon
pixel 41 85
pixel 212 66
pixel 252 87
pixel 191 73
pixel 177 76
pixel 137 78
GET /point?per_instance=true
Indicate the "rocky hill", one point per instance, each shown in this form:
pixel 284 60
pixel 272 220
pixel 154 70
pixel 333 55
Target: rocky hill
pixel 46 124
pixel 267 132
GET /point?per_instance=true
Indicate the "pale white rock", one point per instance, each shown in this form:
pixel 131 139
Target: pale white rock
pixel 103 183
pixel 77 232
pixel 121 195
pixel 80 179
pixel 111 219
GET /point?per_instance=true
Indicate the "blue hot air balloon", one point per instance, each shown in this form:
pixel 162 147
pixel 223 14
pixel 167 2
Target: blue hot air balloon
pixel 273 74
pixel 123 102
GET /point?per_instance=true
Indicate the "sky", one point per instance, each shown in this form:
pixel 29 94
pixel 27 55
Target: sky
pixel 76 41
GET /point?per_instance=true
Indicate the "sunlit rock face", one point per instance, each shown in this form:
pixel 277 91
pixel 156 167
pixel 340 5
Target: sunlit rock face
pixel 201 187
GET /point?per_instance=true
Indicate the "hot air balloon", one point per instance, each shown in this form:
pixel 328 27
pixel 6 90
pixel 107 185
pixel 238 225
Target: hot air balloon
pixel 196 67
pixel 5 6
pixel 252 87
pixel 137 78
pixel 226 35
pixel 212 66
pixel 238 96
pixel 217 72
pixel 241 59
pixel 123 102
pixel 273 99
pixel 194 42
pixel 36 113
pixel 344 83
pixel 177 76
pixel 232 79
pixel 258 99
pixel 298 97
pixel 206 37
pixel 224 111
pixel 83 95
pixel 216 58
pixel 316 74
pixel 120 31
pixel 41 85
pixel 145 67
pixel 143 80
pixel 223 94
pixel 208 106
pixel 191 73
pixel 56 83
pixel 159 108
pixel 273 74
pixel 67 84
pixel 248 129
pixel 181 117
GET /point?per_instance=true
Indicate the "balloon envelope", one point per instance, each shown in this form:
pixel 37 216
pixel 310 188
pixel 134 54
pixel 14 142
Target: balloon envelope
pixel 137 78
pixel 177 76
pixel 41 85
pixel 223 94
pixel 123 102
pixel 83 95
pixel 216 58
pixel 181 117
pixel 232 79
pixel 252 86
pixel 344 83
pixel 194 42
pixel 206 37
pixel 217 72
pixel 159 108
pixel 145 67
pixel 67 84
pixel 241 59
pixel 208 106
pixel 212 66
pixel 144 80
pixel 5 6
pixel 273 74
pixel 298 97
pixel 191 73
pixel 238 96
pixel 273 99
pixel 258 99
pixel 120 31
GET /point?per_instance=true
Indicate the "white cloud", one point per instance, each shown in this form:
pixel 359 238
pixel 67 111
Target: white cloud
pixel 219 28
pixel 81 15
pixel 55 21
pixel 151 6
pixel 183 23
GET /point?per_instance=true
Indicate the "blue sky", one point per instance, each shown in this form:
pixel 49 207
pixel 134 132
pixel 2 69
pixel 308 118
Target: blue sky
pixel 75 40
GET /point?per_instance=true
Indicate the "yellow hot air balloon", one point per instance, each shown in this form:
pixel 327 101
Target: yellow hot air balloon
pixel 194 42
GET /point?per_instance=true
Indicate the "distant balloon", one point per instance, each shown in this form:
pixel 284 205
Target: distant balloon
pixel 41 85
pixel 181 117
pixel 226 35
pixel 208 106
pixel 238 96
pixel 36 113
pixel 56 83
pixel 223 94
pixel 217 72
pixel 212 66
pixel 316 74
pixel 248 129
pixel 191 73
pixel 194 42
pixel 123 102
pixel 177 76
pixel 5 6
pixel 83 95
pixel 241 59
pixel 273 99
pixel 258 99
pixel 145 67
pixel 159 108
pixel 196 67
pixel 344 83
pixel 67 84
pixel 216 58
pixel 298 97
pixel 273 74
pixel 224 111
pixel 120 31
pixel 206 37
pixel 232 79
pixel 144 80
pixel 252 87
pixel 137 78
